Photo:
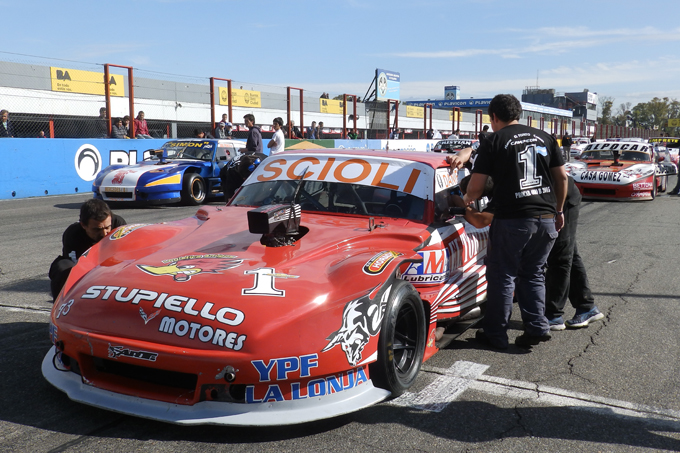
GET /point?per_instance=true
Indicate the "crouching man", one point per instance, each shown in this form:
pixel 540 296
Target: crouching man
pixel 96 221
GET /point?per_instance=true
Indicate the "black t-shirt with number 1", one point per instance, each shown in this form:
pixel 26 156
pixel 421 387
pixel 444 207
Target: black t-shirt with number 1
pixel 519 159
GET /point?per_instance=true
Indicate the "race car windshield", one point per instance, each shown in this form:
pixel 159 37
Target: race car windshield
pixel 636 156
pixel 191 150
pixel 334 197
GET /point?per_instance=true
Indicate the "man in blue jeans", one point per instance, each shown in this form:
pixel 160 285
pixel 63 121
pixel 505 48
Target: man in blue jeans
pixel 530 186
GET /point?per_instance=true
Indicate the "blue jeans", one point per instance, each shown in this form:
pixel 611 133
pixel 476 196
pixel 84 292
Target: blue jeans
pixel 518 250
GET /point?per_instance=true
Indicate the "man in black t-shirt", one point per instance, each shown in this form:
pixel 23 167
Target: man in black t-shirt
pixel 530 185
pixel 96 221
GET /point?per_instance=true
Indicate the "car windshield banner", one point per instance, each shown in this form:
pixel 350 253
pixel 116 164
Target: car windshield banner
pixel 414 178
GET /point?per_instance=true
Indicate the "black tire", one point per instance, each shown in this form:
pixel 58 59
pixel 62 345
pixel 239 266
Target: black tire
pixel 193 189
pixel 401 345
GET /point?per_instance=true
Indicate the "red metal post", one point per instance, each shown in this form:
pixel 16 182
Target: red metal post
pixel 51 127
pixel 107 97
pixel 131 95
pixel 530 120
pixel 212 99
pixel 425 107
pixel 354 114
pixel 455 120
pixel 542 124
pixel 479 121
pixel 302 121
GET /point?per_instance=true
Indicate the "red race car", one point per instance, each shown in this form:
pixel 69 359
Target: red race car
pixel 316 292
pixel 619 170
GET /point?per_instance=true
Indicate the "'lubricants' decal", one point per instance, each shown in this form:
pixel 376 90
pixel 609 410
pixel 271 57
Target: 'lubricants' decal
pixel 123 231
pixel 379 262
pixel 183 268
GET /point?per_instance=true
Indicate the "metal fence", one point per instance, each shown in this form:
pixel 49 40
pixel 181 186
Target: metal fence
pixel 65 99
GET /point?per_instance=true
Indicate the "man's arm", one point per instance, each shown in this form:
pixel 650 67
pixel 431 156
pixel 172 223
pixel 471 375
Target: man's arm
pixel 458 160
pixel 475 188
pixel 559 176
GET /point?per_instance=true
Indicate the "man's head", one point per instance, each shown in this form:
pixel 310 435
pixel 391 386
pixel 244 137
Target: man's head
pixel 277 123
pixel 126 119
pixel 4 114
pixel 488 187
pixel 199 133
pixel 504 108
pixel 224 118
pixel 95 219
pixel 227 125
pixel 249 119
pixel 118 122
pixel 140 115
pixel 320 124
pixel 313 123
pixel 222 124
pixel 102 112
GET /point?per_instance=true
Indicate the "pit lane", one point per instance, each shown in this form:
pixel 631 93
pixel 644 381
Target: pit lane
pixel 521 402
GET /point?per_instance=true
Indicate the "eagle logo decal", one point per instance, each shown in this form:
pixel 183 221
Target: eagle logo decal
pixel 183 268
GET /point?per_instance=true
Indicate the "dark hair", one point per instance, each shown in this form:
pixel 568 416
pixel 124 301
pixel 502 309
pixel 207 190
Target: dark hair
pixel 249 117
pixel 94 209
pixel 505 107
pixel 116 120
pixel 488 187
pixel 278 120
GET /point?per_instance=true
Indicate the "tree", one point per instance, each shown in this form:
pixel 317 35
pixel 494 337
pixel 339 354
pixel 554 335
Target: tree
pixel 606 113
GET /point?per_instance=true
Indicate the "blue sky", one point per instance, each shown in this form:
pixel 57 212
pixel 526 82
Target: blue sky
pixel 623 49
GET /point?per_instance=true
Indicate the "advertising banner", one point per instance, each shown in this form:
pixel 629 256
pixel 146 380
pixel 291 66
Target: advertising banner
pixel 414 112
pixel 85 82
pixel 387 84
pixel 330 106
pixel 241 98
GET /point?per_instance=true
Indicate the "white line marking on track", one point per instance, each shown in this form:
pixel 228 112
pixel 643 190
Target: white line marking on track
pixel 463 375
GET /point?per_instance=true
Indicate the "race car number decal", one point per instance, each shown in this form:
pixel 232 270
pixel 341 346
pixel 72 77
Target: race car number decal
pixel 64 308
pixel 600 176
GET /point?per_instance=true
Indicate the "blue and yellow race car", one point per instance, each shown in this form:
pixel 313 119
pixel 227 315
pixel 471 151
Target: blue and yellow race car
pixel 184 171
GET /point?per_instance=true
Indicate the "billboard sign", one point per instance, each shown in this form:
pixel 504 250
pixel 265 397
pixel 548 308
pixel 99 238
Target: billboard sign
pixel 387 84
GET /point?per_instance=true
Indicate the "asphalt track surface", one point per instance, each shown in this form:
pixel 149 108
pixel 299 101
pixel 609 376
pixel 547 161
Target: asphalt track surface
pixel 614 386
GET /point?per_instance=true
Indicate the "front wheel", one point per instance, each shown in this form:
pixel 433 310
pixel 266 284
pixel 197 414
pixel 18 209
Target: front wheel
pixel 193 189
pixel 401 346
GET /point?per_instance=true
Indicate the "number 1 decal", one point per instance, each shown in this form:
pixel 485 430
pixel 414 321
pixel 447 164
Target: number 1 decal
pixel 264 282
pixel 531 179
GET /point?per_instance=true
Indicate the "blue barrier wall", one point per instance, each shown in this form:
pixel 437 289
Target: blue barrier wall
pixel 33 167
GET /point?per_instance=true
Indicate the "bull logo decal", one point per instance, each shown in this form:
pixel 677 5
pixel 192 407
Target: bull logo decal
pixel 185 267
pixel 119 176
pixel 361 320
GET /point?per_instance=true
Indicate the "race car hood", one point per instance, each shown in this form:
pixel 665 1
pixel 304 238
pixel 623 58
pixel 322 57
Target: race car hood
pixel 148 173
pixel 209 273
pixel 604 171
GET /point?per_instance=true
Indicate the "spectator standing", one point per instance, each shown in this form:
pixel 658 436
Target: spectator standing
pixel 395 135
pixel 319 130
pixel 254 140
pixel 311 131
pixel 141 128
pixel 566 274
pixel 6 128
pixel 96 222
pixel 566 146
pixel 118 130
pixel 101 125
pixel 455 135
pixel 484 133
pixel 430 134
pixel 296 130
pixel 227 130
pixel 278 142
pixel 352 134
pixel 528 213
